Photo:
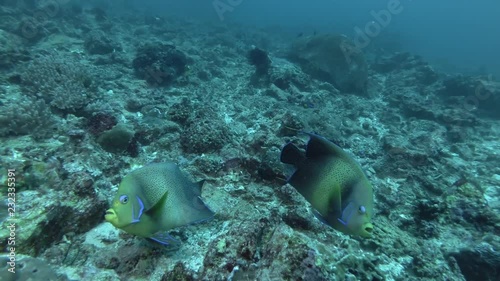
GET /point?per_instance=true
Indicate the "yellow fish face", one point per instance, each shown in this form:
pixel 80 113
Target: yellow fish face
pixel 357 210
pixel 356 220
pixel 111 217
pixel 367 229
pixel 125 211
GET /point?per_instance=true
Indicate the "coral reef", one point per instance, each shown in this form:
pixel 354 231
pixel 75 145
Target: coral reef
pixel 10 52
pixel 29 268
pixel 418 71
pixel 205 132
pixel 25 116
pixel 100 122
pixel 117 139
pixel 65 83
pixel 98 43
pixel 260 60
pixel 334 59
pixel 159 64
pixel 478 262
pixel 473 93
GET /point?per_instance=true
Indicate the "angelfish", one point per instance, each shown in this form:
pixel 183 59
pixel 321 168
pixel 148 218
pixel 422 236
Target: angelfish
pixel 333 182
pixel 154 199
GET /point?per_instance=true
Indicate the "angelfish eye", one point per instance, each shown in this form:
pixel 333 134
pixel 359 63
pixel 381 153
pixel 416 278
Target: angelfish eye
pixel 124 199
pixel 362 209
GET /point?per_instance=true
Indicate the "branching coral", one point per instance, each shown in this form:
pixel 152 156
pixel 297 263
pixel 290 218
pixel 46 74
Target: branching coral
pixel 63 82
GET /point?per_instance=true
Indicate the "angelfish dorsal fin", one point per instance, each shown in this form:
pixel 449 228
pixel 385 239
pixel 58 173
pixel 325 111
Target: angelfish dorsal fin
pixel 347 213
pixel 318 146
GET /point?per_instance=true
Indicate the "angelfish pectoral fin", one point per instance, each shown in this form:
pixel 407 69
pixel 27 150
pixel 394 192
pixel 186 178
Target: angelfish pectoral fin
pixel 165 239
pixel 137 210
pixel 346 214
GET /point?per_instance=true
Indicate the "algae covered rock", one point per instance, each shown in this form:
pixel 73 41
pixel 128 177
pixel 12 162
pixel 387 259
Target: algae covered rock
pixel 98 43
pixel 204 132
pixel 160 64
pixel 474 93
pixel 334 59
pixel 117 139
pixel 45 221
pixel 260 59
pixel 413 67
pixel 62 81
pixel 11 54
pixel 478 262
pixel 28 268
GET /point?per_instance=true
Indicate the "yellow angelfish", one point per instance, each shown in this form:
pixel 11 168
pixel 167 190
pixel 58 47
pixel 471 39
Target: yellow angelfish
pixel 333 182
pixel 154 199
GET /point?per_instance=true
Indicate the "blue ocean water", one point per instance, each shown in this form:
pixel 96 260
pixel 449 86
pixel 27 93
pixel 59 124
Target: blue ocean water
pixel 458 36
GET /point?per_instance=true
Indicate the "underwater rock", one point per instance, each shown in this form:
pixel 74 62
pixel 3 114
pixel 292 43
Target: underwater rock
pixel 27 269
pixel 44 224
pixel 100 122
pixel 117 139
pixel 414 68
pixel 76 135
pixel 24 117
pixel 99 43
pixel 396 61
pixel 131 259
pixel 334 59
pixel 242 249
pixel 466 207
pixel 426 75
pixel 288 77
pixel 159 64
pixel 260 59
pixel 99 14
pixel 205 133
pixel 180 273
pixel 180 112
pixel 459 85
pixel 11 54
pixel 471 93
pixel 298 219
pixel 400 152
pixel 291 123
pixel 62 81
pixel 479 262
